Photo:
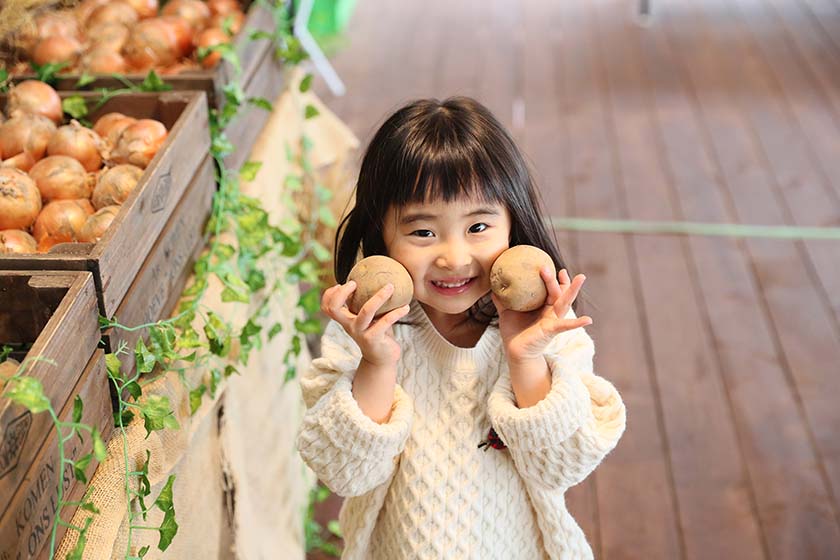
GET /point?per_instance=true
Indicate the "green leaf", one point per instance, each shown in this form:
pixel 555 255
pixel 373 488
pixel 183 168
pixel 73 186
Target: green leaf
pixel 80 465
pixel 99 450
pixel 334 528
pixel 133 388
pixel 47 72
pixel 89 506
pixel 157 414
pixel 85 79
pixel 310 301
pixel 248 171
pixel 275 330
pixel 326 217
pixel 74 106
pixel 153 82
pixel 320 252
pixel 168 529
pixel 4 77
pixel 78 551
pixel 235 289
pixel 195 398
pixel 258 34
pixel 144 359
pixel 255 280
pixel 306 83
pixel 293 182
pixel 215 379
pixel 142 552
pixel 230 370
pixel 306 144
pixel 164 499
pixel 78 408
pixel 28 392
pixel 218 334
pixel 114 366
pixel 309 326
pixel 261 102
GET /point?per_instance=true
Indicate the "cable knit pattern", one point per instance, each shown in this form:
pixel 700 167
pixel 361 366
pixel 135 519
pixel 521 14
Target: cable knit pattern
pixel 418 487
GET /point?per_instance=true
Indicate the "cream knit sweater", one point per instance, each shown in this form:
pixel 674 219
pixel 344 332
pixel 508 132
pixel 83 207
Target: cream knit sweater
pixel 419 487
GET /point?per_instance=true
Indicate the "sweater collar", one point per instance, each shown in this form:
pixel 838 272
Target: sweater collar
pixel 426 333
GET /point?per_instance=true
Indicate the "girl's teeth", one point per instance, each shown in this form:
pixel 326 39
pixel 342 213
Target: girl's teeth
pixel 445 285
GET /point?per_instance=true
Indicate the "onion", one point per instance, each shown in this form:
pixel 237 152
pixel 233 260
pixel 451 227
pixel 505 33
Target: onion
pixel 97 224
pixel 183 34
pixel 103 60
pixel 61 178
pixel 60 221
pixel 139 143
pixel 78 142
pixel 86 8
pixel 111 36
pixel 36 97
pixel 237 19
pixel 16 241
pixel 61 23
pixel 25 132
pixel 178 67
pixel 144 8
pixel 20 200
pixel 57 49
pixel 208 38
pixel 110 125
pixel 23 161
pixel 113 12
pixel 152 43
pixel 223 7
pixel 195 12
pixel 115 184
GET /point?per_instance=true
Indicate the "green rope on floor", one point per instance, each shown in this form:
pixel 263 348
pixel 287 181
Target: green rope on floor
pixel 695 228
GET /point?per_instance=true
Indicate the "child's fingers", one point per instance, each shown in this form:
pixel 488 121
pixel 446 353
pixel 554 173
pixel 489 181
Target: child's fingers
pixel 369 309
pixel 334 301
pixel 564 303
pixel 557 326
pixel 551 285
pixel 381 325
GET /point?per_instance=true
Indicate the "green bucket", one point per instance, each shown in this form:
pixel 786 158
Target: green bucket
pixel 329 17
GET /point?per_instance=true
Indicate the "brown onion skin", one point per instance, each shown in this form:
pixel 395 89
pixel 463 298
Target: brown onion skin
pixel 103 61
pixel 115 185
pixel 112 36
pixel 16 241
pixel 25 132
pixel 61 178
pixel 60 221
pixel 86 8
pixel 23 161
pixel 78 142
pixel 183 34
pixel 223 7
pixel 144 8
pixel 116 11
pixel 139 143
pixel 57 23
pixel 97 224
pixel 20 201
pixel 57 49
pixel 195 12
pixel 152 43
pixel 208 38
pixel 110 125
pixel 35 97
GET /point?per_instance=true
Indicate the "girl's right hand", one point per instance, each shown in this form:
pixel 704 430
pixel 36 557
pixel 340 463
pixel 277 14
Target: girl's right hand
pixel 373 336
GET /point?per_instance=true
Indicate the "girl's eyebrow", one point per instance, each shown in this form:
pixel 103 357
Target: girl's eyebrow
pixel 411 217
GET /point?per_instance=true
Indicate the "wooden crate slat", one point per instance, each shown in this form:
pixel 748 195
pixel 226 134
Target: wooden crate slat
pixel 25 527
pixel 161 280
pixel 69 339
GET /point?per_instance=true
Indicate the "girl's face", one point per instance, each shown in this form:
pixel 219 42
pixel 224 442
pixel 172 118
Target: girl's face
pixel 448 248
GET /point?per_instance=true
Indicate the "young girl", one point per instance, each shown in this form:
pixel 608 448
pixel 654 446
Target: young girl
pixel 453 425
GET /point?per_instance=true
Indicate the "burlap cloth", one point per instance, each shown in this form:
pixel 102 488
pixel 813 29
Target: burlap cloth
pixel 241 489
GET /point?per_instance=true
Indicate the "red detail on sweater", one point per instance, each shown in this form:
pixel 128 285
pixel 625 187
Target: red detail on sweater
pixel 493 440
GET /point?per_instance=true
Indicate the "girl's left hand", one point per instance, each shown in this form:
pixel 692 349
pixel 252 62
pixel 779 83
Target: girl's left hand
pixel 526 334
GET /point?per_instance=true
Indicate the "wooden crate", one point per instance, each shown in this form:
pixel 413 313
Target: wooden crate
pixel 57 313
pixel 250 52
pixel 161 280
pixel 116 258
pixel 25 527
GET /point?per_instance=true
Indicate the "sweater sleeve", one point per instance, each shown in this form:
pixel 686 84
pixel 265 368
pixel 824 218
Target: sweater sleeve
pixel 560 440
pixel 348 451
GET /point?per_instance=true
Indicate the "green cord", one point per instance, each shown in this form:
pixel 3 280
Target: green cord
pixel 695 228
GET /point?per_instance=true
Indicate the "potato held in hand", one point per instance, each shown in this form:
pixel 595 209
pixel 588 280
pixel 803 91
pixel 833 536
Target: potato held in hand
pixel 371 274
pixel 515 277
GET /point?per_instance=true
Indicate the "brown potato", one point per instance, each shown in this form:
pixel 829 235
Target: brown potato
pixel 515 277
pixel 371 274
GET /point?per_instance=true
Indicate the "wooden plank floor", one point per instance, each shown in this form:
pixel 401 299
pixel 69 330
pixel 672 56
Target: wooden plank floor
pixel 726 350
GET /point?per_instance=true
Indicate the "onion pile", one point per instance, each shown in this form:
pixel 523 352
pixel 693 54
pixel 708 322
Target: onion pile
pixel 125 36
pixel 65 184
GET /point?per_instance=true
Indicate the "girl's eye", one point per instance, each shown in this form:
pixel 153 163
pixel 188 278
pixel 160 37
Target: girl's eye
pixel 478 228
pixel 422 233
